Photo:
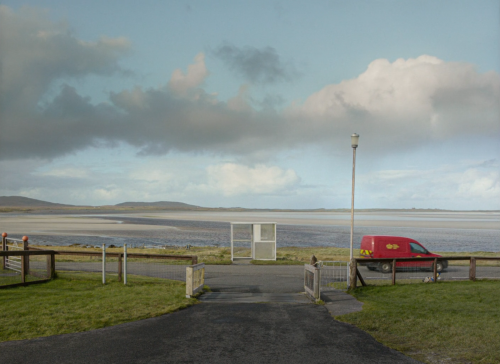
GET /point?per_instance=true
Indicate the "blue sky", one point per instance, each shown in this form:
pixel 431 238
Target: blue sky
pixel 252 103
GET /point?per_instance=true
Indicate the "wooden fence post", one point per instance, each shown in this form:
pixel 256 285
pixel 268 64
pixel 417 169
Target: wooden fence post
pixel 26 258
pixel 119 267
pixel 317 282
pixel 394 272
pixel 353 277
pixel 472 269
pixel 4 248
pixel 435 269
pixel 51 265
pixel 23 269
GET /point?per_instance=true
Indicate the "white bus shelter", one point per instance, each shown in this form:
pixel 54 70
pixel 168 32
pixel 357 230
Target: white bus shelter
pixel 255 240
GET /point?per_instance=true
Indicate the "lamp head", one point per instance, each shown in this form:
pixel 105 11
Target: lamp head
pixel 354 140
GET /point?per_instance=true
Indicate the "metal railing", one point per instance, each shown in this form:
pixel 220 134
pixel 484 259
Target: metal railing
pixel 333 274
pixel 13 262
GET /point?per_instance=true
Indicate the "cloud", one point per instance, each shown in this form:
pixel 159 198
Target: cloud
pixel 456 186
pixel 36 51
pixel 417 100
pixel 260 66
pixel 234 179
pixel 180 83
pixel 396 106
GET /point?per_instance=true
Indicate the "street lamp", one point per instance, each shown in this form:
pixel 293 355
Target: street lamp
pixel 354 145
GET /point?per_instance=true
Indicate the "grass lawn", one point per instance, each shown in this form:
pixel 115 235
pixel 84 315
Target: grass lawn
pixel 456 322
pixel 79 302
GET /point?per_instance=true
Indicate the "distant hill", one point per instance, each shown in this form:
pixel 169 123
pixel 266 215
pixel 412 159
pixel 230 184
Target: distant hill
pixel 161 204
pixel 19 201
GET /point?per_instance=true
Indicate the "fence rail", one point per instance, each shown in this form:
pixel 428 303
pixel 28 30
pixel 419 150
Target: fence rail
pixel 120 256
pixel 420 264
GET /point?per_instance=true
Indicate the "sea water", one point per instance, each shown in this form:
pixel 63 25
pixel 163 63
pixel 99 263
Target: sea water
pixel 209 233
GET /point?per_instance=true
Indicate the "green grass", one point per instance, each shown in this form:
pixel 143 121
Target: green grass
pixel 206 254
pixel 444 322
pixel 277 262
pixel 8 276
pixel 75 302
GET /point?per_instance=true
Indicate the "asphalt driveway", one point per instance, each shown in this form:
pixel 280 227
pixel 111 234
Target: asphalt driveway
pixel 214 333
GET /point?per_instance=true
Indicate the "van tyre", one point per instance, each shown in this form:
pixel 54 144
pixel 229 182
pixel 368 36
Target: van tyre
pixel 386 267
pixel 439 267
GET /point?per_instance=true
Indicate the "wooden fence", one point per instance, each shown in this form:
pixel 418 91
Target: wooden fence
pixel 192 258
pixel 355 274
pixel 25 269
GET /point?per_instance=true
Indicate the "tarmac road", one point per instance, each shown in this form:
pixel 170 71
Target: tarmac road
pixel 214 333
pixel 288 330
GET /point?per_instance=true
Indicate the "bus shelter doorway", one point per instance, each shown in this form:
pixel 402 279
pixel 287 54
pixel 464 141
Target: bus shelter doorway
pixel 255 240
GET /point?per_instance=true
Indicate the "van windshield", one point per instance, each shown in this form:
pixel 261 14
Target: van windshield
pixel 415 248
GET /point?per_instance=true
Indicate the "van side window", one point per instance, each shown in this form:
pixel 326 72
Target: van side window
pixel 415 248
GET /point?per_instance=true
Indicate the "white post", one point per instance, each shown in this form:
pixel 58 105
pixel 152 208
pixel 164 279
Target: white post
pixel 232 243
pixel 124 263
pixel 103 264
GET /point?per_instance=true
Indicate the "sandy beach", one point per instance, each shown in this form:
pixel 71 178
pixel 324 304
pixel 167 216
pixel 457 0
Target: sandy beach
pixel 78 225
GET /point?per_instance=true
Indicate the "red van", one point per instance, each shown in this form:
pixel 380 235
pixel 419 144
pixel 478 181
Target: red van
pixel 379 246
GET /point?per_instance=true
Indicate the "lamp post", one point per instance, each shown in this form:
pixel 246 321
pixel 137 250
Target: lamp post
pixel 354 145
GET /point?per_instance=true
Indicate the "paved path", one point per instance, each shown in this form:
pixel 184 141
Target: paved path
pixel 214 333
pixel 227 327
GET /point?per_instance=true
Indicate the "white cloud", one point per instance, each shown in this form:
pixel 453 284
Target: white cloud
pixel 408 102
pixel 234 179
pixel 459 186
pixel 180 83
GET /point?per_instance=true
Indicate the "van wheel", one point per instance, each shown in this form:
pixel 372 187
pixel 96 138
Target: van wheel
pixel 386 267
pixel 439 267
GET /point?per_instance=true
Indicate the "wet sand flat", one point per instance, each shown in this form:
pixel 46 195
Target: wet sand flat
pixel 77 225
pixel 67 225
pixel 418 220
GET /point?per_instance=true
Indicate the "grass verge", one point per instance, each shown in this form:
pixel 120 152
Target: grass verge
pixel 445 322
pixel 206 254
pixel 80 302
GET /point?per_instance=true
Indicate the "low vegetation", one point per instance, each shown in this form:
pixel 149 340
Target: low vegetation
pixel 222 255
pixel 76 302
pixel 455 322
pixel 302 255
pixel 206 254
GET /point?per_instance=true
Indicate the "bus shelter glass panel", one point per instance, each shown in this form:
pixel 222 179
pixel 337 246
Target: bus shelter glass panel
pixel 241 241
pixel 264 244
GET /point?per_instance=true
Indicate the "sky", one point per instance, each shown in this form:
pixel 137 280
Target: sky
pixel 252 103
